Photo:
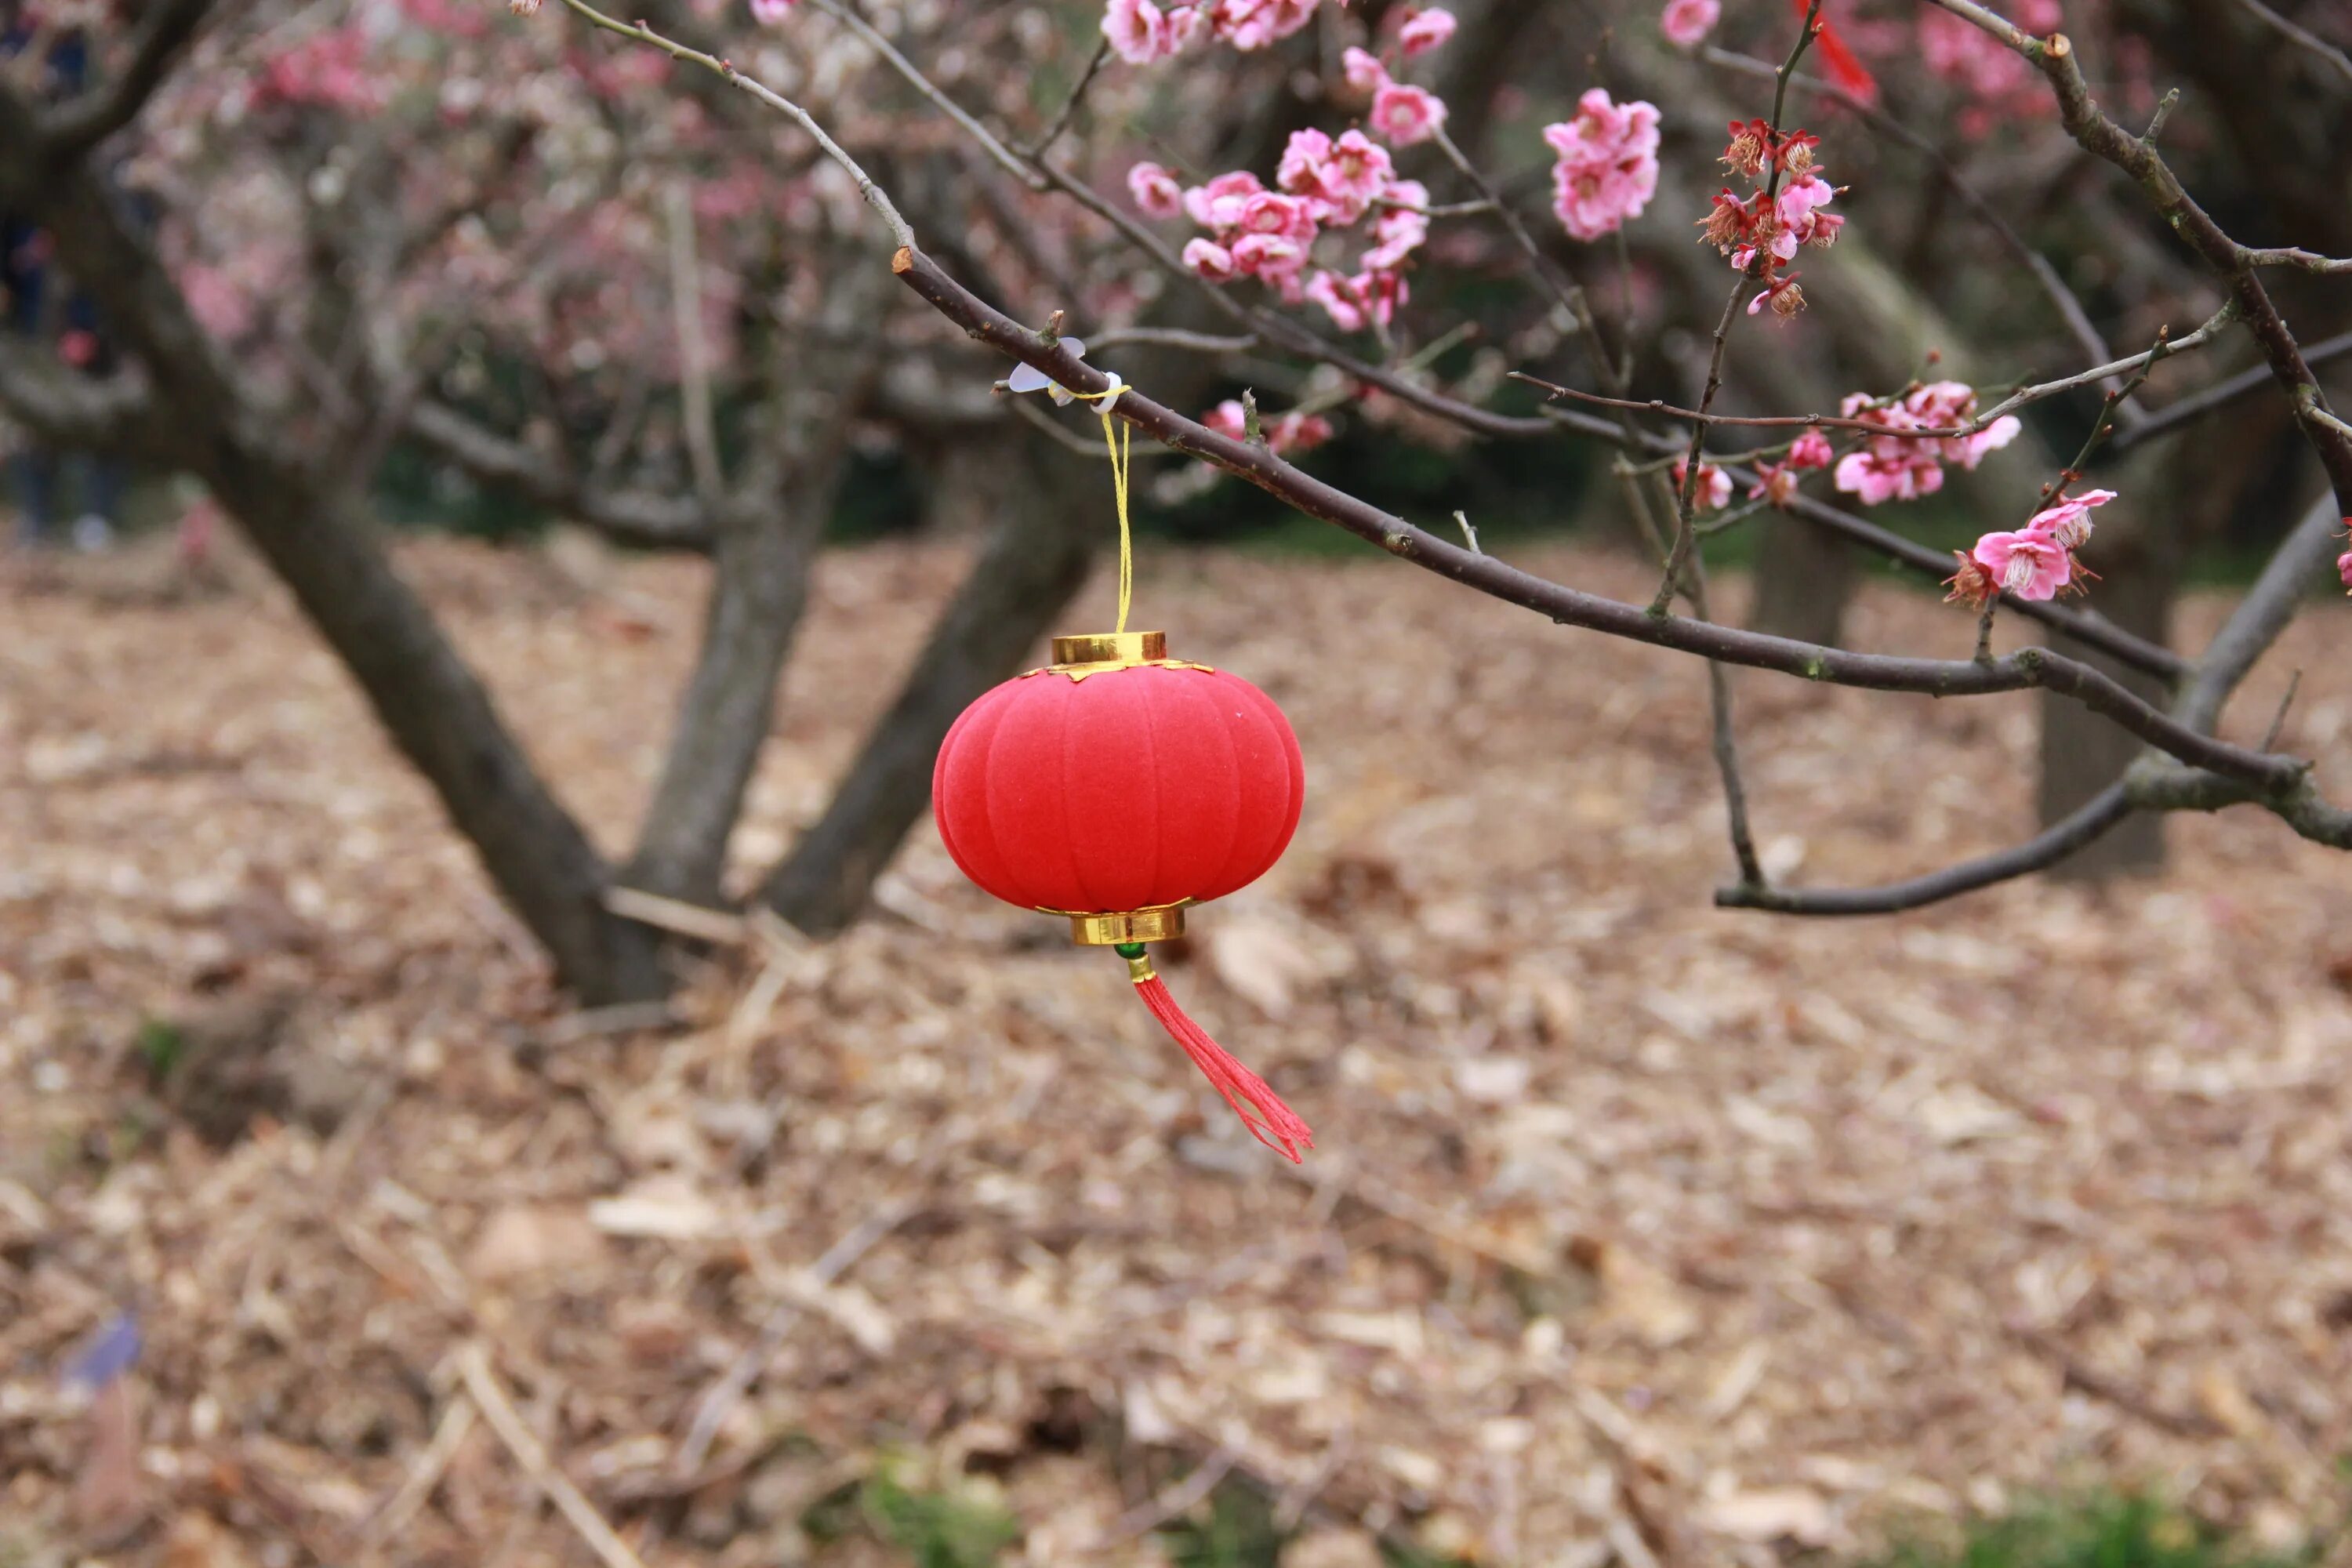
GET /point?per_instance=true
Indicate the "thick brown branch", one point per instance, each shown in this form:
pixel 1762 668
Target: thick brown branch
pixel 164 34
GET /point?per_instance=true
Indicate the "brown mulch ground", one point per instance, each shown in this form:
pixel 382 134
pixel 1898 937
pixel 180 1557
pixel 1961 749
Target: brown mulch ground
pixel 1637 1231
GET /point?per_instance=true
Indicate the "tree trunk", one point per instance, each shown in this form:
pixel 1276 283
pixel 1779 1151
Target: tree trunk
pixel 317 538
pixel 1032 564
pixel 1804 581
pixel 759 588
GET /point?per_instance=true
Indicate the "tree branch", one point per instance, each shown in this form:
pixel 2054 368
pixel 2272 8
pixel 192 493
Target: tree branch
pixel 634 516
pixel 81 123
pixel 2303 37
pixel 2045 850
pixel 2027 668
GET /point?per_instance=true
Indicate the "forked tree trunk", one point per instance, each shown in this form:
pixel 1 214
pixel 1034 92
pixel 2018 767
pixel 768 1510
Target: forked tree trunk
pixel 1035 561
pixel 314 534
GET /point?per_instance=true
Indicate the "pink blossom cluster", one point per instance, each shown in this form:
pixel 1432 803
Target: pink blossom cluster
pixel 2036 562
pixel 1761 231
pixel 1608 165
pixel 767 13
pixel 328 69
pixel 1142 32
pixel 1904 467
pixel 1777 482
pixel 1686 23
pixel 1402 115
pixel 1714 491
pixel 1285 433
pixel 1989 70
pixel 1270 234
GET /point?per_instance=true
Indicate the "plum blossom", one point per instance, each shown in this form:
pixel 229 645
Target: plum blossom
pixel 1254 24
pixel 1811 450
pixel 1686 23
pixel 1356 302
pixel 1136 30
pixel 1342 178
pixel 1155 190
pixel 531 9
pixel 2025 563
pixel 1425 30
pixel 1777 482
pixel 1291 432
pixel 2069 522
pixel 1218 203
pixel 767 13
pixel 1399 230
pixel 1608 165
pixel 1899 467
pixel 1713 492
pixel 1363 70
pixel 2344 564
pixel 1211 260
pixel 2036 562
pixel 1407 115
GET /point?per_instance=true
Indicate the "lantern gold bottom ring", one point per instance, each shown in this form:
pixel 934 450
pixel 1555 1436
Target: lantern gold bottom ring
pixel 1135 925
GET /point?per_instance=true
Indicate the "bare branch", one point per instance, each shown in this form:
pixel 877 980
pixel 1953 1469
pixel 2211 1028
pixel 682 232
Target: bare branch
pixel 2094 819
pixel 2261 616
pixel 70 410
pixel 1061 121
pixel 2302 37
pixel 635 516
pixel 2173 416
pixel 2303 260
pixel 638 32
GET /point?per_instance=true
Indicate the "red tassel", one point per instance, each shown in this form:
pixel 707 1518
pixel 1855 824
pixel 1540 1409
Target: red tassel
pixel 1845 68
pixel 1270 1121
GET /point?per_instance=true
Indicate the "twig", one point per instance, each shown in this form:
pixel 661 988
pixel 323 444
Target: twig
pixel 677 917
pixel 1570 295
pixel 2020 399
pixel 2173 416
pixel 874 196
pixel 2045 850
pixel 718 1401
pixel 448 1435
pixel 1022 169
pixel 1176 1501
pixel 2278 720
pixel 482 1383
pixel 2303 37
pixel 1687 496
pixel 1061 121
pixel 1469 535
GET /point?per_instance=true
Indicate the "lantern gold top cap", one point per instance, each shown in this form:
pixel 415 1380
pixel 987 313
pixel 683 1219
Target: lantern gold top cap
pixel 1109 648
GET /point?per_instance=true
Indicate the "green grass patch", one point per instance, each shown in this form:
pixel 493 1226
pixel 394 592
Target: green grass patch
pixel 2118 1532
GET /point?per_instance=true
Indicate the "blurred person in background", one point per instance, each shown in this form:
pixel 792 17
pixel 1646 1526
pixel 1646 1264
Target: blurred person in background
pixel 38 304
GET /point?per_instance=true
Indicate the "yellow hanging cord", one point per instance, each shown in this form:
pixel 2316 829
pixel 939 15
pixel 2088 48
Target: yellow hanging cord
pixel 1119 439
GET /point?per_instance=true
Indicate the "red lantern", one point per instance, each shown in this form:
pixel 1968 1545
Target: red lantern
pixel 1115 788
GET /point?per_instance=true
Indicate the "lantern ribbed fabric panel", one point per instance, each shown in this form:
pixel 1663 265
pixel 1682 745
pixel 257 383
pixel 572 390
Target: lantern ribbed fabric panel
pixel 1127 789
pixel 1111 791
